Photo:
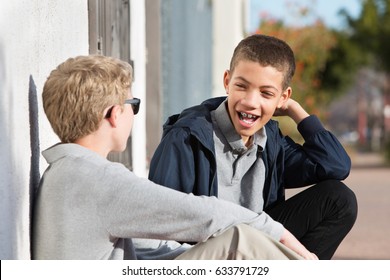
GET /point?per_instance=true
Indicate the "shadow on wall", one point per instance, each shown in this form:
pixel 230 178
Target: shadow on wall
pixel 34 137
pixel 10 190
pixel 34 145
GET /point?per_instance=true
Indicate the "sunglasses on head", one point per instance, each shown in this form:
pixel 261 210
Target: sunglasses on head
pixel 135 102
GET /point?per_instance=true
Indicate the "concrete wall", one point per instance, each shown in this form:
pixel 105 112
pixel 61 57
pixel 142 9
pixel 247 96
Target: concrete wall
pixel 229 28
pixel 153 100
pixel 35 36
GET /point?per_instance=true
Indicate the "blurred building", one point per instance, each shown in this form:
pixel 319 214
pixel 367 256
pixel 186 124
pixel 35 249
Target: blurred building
pixel 361 116
pixel 193 48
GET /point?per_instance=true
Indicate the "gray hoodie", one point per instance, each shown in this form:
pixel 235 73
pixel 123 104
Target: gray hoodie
pixel 89 208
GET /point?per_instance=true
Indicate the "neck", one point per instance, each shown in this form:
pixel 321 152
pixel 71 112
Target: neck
pixel 94 143
pixel 248 141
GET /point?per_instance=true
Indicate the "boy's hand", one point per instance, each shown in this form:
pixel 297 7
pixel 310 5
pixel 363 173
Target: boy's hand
pixel 289 240
pixel 283 111
pixel 293 110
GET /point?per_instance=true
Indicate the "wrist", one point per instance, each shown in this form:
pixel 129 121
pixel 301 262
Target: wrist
pixel 296 112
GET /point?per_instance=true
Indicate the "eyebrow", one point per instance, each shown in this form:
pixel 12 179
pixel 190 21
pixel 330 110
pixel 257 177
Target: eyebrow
pixel 247 82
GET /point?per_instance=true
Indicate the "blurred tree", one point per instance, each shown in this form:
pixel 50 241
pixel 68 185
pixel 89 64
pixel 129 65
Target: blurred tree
pixel 357 46
pixel 365 43
pixel 345 58
pixel 384 35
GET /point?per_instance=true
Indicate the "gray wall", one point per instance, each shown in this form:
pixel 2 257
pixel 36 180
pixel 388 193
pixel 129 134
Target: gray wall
pixel 186 53
pixel 153 76
pixel 35 36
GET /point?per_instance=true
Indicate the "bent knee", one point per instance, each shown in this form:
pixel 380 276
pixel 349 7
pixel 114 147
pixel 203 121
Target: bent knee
pixel 338 190
pixel 345 198
pixel 342 196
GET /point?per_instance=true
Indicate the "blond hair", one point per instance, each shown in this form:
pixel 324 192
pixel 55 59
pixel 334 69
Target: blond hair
pixel 78 91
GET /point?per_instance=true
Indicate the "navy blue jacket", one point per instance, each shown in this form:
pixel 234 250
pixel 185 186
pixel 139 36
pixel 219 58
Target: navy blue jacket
pixel 185 158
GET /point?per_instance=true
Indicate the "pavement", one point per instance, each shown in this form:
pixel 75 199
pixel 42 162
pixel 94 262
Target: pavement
pixel 369 238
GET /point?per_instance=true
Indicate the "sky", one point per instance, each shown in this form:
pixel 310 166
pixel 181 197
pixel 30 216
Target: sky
pixel 286 10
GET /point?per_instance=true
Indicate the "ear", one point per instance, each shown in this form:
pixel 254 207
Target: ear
pixel 284 97
pixel 226 80
pixel 113 119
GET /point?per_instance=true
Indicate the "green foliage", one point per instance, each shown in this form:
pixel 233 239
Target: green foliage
pixel 345 58
pixel 387 152
pixel 370 32
pixel 365 43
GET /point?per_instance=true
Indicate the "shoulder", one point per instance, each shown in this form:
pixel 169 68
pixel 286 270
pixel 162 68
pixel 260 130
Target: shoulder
pixel 193 121
pixel 272 128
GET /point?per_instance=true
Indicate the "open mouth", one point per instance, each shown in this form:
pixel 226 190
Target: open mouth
pixel 247 118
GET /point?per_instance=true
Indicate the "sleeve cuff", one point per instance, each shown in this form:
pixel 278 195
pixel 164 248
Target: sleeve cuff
pixel 310 126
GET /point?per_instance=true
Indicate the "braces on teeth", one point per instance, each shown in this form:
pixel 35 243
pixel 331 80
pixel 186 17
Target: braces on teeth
pixel 245 115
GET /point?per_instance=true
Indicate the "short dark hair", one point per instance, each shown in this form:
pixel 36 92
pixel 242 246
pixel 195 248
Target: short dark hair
pixel 267 51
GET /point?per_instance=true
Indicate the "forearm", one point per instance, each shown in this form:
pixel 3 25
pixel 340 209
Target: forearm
pixel 136 207
pixel 321 156
pixel 296 112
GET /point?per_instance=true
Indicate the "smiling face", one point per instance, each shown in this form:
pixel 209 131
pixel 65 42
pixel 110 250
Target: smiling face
pixel 254 93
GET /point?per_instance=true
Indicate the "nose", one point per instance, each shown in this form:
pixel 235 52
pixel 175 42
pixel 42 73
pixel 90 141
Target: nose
pixel 252 99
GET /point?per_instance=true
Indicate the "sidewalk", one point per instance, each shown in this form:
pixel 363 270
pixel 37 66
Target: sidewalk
pixel 369 238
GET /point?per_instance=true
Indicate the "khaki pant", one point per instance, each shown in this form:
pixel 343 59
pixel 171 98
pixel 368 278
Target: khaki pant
pixel 240 242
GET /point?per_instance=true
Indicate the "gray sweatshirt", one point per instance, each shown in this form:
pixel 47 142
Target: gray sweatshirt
pixel 89 208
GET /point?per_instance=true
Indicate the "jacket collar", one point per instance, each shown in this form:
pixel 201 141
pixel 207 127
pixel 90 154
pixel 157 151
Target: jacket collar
pixel 197 120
